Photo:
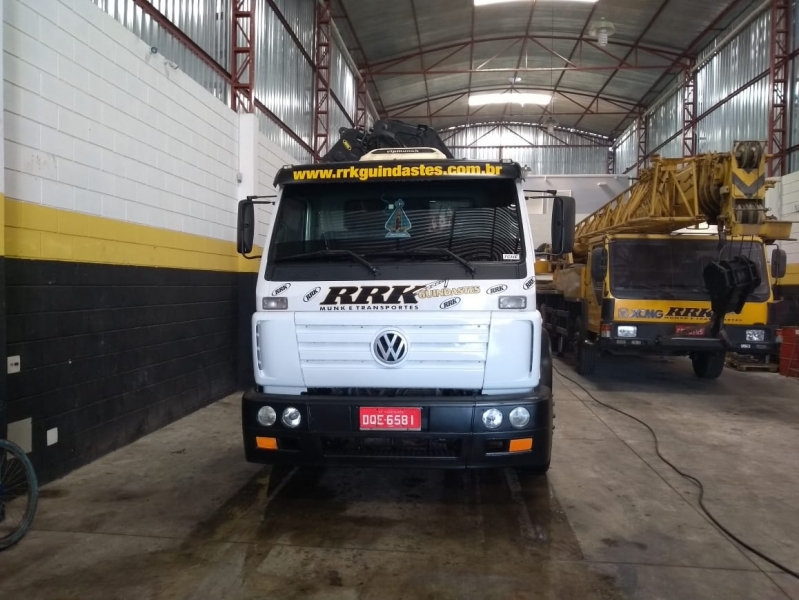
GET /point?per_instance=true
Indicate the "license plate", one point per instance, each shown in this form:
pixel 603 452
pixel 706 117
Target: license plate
pixel 690 330
pixel 394 419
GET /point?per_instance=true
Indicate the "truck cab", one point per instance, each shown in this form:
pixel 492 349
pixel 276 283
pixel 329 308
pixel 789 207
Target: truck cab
pixel 645 294
pixel 395 317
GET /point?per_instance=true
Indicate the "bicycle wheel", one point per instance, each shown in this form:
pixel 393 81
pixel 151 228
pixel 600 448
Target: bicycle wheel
pixel 19 494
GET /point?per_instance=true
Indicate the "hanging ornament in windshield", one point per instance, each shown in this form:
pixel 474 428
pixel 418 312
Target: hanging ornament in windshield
pixel 398 223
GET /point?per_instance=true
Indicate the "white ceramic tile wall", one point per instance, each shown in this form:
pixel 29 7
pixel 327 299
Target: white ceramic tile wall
pixel 96 123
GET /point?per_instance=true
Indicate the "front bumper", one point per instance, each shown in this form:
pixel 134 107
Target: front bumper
pixel 661 339
pixel 452 434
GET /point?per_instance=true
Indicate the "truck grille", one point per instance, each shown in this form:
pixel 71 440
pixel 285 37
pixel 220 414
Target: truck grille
pixel 400 447
pixel 331 353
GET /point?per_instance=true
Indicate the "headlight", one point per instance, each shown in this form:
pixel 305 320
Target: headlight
pixel 280 303
pixel 755 335
pixel 627 331
pixel 519 417
pixel 513 302
pixel 267 416
pixel 492 418
pixel 291 417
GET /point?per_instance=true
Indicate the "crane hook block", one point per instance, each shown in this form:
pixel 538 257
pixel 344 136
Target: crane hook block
pixel 729 284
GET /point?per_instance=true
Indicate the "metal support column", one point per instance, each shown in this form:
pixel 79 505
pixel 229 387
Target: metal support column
pixel 322 78
pixel 611 161
pixel 242 56
pixel 689 111
pixel 360 103
pixel 642 139
pixel 779 74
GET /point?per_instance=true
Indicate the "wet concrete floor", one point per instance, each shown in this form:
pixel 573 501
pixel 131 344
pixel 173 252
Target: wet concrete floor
pixel 179 514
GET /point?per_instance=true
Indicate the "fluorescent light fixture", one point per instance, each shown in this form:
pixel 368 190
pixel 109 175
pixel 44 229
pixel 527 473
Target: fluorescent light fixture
pixel 487 2
pixel 510 98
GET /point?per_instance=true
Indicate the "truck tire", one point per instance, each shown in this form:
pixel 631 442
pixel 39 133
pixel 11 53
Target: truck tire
pixel 708 365
pixel 585 355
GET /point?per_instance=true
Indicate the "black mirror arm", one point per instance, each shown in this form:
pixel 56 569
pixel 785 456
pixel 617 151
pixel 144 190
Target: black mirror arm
pixel 254 199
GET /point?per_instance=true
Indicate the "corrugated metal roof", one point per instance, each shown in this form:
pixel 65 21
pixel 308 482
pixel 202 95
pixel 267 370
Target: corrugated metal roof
pixel 422 54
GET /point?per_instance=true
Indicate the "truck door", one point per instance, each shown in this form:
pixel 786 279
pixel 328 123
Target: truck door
pixel 596 271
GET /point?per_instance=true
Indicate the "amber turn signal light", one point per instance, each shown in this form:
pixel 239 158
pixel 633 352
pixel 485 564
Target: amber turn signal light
pixel 266 443
pixel 523 445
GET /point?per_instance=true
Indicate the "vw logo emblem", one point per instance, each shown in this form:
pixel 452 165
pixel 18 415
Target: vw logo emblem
pixel 390 348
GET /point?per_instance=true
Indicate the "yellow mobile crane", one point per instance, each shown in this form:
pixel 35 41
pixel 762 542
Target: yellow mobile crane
pixel 643 277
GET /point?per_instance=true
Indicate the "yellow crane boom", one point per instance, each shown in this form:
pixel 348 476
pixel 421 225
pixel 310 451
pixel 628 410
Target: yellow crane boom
pixel 724 189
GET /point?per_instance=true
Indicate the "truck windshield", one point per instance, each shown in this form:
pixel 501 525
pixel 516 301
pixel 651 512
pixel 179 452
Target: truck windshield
pixel 672 269
pixel 463 222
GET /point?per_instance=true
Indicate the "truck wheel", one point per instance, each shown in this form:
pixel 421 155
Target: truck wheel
pixel 585 354
pixel 708 365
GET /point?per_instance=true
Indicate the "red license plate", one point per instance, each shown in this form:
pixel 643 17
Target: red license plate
pixel 690 330
pixel 395 419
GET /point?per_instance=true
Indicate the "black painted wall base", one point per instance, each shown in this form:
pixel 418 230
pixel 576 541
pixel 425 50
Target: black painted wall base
pixel 3 394
pixel 110 353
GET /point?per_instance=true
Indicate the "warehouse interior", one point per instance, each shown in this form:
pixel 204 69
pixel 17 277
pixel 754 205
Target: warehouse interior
pixel 133 129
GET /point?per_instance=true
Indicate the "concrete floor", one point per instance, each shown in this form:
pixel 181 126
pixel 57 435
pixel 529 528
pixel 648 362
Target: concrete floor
pixel 179 514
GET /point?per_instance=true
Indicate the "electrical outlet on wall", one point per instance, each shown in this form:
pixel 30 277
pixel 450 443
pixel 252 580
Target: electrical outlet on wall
pixel 14 363
pixel 52 436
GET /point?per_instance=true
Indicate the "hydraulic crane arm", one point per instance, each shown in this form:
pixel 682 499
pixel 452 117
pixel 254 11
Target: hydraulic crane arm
pixel 728 190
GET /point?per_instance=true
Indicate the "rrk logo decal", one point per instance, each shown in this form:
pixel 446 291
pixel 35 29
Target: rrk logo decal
pixel 497 289
pixel 311 294
pixel 281 289
pixel 450 303
pixel 529 283
pixel 371 297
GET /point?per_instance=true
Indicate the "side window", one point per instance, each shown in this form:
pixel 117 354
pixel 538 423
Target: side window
pixel 291 226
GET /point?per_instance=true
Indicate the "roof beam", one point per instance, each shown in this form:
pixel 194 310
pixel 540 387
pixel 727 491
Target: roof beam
pixel 378 66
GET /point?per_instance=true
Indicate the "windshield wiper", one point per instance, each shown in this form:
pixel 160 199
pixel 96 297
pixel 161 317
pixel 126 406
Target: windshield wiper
pixel 326 252
pixel 428 252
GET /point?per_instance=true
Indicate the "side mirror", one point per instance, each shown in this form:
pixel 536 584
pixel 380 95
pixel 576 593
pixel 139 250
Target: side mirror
pixel 599 264
pixel 245 233
pixel 563 216
pixel 779 263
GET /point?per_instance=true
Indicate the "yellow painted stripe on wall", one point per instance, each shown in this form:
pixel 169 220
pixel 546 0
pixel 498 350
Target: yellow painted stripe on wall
pixel 40 232
pixel 2 224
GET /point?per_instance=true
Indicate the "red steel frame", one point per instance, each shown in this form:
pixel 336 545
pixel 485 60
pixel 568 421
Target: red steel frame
pixel 360 104
pixel 242 56
pixel 642 140
pixel 689 112
pixel 779 71
pixel 323 51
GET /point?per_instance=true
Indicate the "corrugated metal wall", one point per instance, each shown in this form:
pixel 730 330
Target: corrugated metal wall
pixel 662 125
pixel 743 116
pixel 206 23
pixel 626 148
pixel 559 154
pixel 284 80
pixel 793 165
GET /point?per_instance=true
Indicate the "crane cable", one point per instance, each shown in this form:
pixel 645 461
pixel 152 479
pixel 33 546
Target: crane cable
pixel 691 478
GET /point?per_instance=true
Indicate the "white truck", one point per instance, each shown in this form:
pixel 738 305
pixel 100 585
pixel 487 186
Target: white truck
pixel 396 320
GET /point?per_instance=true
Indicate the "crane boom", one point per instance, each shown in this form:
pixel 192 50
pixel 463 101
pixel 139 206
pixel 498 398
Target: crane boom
pixel 724 189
